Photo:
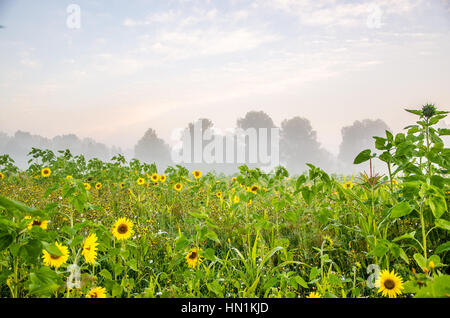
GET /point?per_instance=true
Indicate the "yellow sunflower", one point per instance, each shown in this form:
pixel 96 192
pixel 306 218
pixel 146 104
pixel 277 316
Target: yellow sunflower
pixel 193 258
pixel 90 248
pixel 36 222
pixel 97 292
pixel 219 195
pixel 87 186
pixel 234 179
pixel 46 172
pixel 254 188
pixel 197 174
pixel 55 260
pixel 69 177
pixel 122 185
pixel 154 177
pixel 236 199
pixel 98 185
pixel 178 186
pixel 348 185
pixel 123 229
pixel 313 295
pixel 140 181
pixel 162 178
pixel 2 176
pixel 389 283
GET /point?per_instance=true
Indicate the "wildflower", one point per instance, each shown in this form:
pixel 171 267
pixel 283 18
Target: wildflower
pixel 46 172
pixel 254 188
pixel 431 265
pixel 2 176
pixel 122 185
pixel 36 222
pixel 193 258
pixel 162 178
pixel 236 199
pixel 90 248
pixel 123 229
pixel 348 184
pixel 389 283
pixel 155 177
pixel 197 174
pixel 87 186
pixel 55 260
pixel 98 185
pixel 140 181
pixel 97 292
pixel 178 186
pixel 69 177
pixel 314 295
pixel 219 195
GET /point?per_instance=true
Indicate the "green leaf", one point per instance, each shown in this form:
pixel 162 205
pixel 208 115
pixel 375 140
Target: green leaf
pixel 444 131
pixel 401 209
pixel 301 281
pixel 443 248
pixel 5 241
pixel 420 260
pixel 380 250
pixel 212 236
pixel 443 224
pixel 362 156
pixel 106 274
pixel 314 272
pixel 52 249
pixel 439 287
pixel 437 205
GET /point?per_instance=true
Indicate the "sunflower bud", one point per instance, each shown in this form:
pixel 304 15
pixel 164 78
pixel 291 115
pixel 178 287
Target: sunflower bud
pixel 428 111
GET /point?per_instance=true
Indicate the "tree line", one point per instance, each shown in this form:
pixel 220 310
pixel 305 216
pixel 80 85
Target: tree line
pixel 298 145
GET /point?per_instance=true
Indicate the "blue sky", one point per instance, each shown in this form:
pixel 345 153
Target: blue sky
pixel 138 64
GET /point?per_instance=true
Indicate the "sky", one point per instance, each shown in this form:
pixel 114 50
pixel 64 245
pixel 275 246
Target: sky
pixel 132 65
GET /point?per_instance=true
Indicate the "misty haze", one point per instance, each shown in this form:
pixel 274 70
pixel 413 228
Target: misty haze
pixel 244 150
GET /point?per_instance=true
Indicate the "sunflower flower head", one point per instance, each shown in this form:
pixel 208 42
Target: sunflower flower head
pixel 197 174
pixel 193 258
pixel 98 185
pixel 162 178
pixel 389 283
pixel 140 181
pixel 155 177
pixel 178 186
pixel 122 229
pixel 90 248
pixel 46 172
pixel 56 260
pixel 97 292
pixel 313 295
pixel 37 222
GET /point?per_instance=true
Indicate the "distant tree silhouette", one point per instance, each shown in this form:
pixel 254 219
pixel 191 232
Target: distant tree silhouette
pixel 257 120
pixel 357 137
pixel 299 145
pixel 152 149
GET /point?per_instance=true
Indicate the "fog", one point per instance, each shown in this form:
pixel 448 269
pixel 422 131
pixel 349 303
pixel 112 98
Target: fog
pixel 298 145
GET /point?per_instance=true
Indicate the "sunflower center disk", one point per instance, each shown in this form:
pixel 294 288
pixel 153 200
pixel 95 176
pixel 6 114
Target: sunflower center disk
pixel 193 255
pixel 122 229
pixel 389 284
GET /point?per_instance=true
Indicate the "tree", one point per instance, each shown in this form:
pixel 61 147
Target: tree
pixel 299 145
pixel 357 137
pixel 152 149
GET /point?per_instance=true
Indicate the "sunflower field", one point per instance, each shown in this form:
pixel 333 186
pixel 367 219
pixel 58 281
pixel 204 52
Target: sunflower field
pixel 76 228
